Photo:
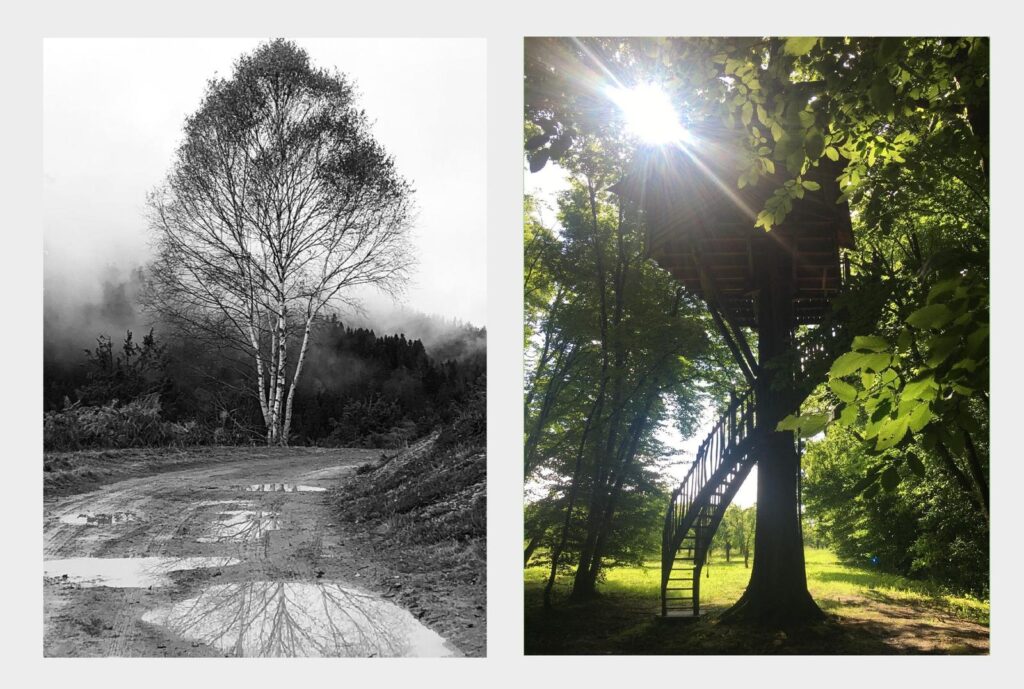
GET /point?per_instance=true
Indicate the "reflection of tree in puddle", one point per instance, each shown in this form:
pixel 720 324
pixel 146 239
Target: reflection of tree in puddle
pixel 241 526
pixel 269 618
pixel 127 572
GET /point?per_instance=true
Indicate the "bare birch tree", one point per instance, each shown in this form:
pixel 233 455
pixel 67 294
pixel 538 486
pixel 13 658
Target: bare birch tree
pixel 278 203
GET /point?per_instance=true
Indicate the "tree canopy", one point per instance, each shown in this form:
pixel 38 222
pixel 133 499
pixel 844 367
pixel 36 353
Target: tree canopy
pixel 279 202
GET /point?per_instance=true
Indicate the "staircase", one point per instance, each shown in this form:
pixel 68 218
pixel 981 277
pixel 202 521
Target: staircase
pixel 698 504
pixel 722 463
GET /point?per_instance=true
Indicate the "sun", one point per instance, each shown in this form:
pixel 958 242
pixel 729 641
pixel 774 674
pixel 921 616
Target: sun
pixel 649 114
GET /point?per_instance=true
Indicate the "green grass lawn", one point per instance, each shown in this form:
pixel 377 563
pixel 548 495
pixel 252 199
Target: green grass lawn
pixel 865 601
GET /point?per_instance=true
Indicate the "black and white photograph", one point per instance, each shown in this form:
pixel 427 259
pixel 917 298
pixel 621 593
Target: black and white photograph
pixel 264 347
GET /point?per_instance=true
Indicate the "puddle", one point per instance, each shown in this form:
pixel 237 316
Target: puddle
pixel 240 526
pixel 99 519
pixel 127 572
pixel 267 618
pixel 283 488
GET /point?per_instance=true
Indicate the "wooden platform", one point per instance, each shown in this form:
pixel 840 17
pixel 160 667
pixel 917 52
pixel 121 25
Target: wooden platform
pixel 700 228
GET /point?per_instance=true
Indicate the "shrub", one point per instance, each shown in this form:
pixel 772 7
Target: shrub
pixel 135 424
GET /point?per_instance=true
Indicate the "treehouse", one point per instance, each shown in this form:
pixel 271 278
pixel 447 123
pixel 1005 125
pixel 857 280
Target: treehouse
pixel 701 229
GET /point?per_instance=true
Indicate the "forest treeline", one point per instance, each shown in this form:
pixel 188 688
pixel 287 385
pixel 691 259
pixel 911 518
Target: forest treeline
pixel 362 389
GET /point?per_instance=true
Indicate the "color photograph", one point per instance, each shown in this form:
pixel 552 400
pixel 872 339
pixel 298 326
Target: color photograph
pixel 756 345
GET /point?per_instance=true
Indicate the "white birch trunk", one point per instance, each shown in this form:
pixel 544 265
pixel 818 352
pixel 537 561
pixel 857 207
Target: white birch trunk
pixel 282 383
pixel 275 381
pixel 295 378
pixel 260 378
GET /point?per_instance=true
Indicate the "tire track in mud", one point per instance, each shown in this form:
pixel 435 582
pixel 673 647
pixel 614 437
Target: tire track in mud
pixel 173 509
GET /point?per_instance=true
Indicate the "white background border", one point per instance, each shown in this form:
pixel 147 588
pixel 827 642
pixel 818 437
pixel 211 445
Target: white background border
pixel 504 25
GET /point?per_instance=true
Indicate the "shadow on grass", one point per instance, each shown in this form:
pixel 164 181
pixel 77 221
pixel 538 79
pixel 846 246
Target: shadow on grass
pixel 621 623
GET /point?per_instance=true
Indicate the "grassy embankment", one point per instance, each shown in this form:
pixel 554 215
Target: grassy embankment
pixel 870 612
pixel 420 514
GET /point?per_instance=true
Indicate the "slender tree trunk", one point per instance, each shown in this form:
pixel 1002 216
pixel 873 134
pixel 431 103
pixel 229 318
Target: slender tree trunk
pixel 556 552
pixel 977 473
pixel 281 374
pixel 531 547
pixel 260 377
pixel 295 380
pixel 274 383
pixel 625 458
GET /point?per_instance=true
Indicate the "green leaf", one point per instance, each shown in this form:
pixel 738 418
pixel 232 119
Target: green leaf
pixel 844 391
pixel 813 424
pixel 790 423
pixel 814 144
pixel 914 462
pixel 891 432
pixel 932 316
pixel 977 339
pixel 800 45
pixel 846 364
pixel 882 95
pixel 810 185
pixel 831 153
pixel 870 343
pixel 944 287
pixel 940 347
pixel 538 160
pixel 876 362
pixel 861 485
pixel 890 478
pixel 920 417
pixel 904 339
pixel 849 415
pixel 747 113
pixel 922 389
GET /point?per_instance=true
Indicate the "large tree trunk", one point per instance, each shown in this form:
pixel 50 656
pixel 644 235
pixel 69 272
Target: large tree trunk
pixel 777 593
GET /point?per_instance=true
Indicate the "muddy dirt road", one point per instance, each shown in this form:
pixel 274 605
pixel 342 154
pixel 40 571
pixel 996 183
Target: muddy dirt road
pixel 239 558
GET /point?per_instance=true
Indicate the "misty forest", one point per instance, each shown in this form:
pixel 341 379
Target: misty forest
pixel 756 317
pixel 228 407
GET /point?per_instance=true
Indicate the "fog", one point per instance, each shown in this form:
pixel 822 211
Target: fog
pixel 113 115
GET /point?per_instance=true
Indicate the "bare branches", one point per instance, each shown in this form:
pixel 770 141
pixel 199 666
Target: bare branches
pixel 279 202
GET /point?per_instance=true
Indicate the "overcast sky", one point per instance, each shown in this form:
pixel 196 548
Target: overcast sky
pixel 113 115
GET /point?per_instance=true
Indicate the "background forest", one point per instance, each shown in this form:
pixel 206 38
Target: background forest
pixel 364 388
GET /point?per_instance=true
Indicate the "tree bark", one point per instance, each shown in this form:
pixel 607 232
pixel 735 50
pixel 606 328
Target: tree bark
pixel 280 374
pixel 777 594
pixel 295 380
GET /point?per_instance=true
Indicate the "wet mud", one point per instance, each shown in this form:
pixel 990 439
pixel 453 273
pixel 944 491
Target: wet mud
pixel 236 559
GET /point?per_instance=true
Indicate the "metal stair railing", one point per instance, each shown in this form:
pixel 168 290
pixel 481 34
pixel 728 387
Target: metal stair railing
pixel 718 462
